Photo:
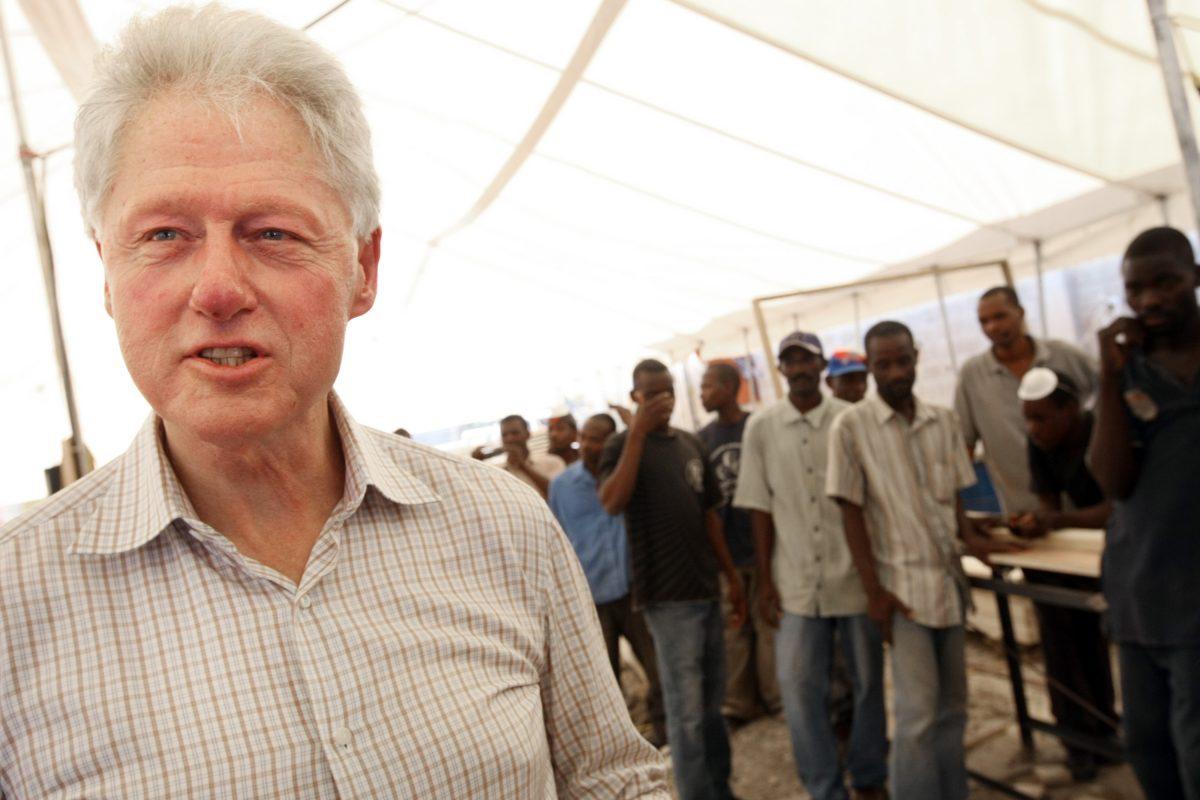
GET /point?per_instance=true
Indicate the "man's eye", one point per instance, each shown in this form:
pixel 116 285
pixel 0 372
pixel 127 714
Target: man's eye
pixel 273 235
pixel 164 236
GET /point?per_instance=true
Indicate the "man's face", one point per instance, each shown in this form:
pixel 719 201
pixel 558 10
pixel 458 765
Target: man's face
pixel 222 242
pixel 892 361
pixel 653 384
pixel 714 393
pixel 592 437
pixel 1001 321
pixel 849 386
pixel 561 434
pixel 801 369
pixel 514 432
pixel 1048 423
pixel 1161 291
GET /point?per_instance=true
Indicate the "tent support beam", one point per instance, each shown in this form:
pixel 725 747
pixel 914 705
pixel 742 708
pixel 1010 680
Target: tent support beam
pixel 37 210
pixel 1168 58
pixel 941 293
pixel 1041 281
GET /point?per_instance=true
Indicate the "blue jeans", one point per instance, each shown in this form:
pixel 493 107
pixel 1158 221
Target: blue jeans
pixel 803 659
pixel 689 644
pixel 929 676
pixel 1161 691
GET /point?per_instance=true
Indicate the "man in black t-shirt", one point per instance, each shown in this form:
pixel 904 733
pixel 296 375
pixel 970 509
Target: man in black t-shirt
pixel 1075 649
pixel 751 688
pixel 660 478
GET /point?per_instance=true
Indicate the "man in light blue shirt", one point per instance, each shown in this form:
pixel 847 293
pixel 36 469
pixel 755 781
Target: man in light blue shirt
pixel 600 542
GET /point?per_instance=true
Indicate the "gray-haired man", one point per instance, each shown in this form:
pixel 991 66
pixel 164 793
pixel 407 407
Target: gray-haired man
pixel 263 598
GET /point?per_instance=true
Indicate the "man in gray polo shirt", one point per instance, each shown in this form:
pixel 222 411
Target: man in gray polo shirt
pixel 809 579
pixel 986 401
pixel 989 410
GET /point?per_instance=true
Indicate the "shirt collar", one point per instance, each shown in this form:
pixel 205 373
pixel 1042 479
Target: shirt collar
pixel 145 497
pixel 814 417
pixel 1041 355
pixel 883 412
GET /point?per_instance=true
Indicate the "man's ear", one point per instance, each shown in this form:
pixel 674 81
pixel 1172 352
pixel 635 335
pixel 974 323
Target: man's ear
pixel 368 275
pixel 635 396
pixel 107 298
pixel 916 355
pixel 829 381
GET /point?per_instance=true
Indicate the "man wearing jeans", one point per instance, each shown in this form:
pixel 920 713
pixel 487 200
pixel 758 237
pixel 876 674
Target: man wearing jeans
pixel 1144 454
pixel 659 477
pixel 895 466
pixel 809 579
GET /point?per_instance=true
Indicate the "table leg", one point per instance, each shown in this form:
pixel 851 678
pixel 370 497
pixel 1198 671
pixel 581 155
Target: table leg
pixel 1013 655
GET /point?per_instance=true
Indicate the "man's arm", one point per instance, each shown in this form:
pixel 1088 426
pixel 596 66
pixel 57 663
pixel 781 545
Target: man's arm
pixel 1110 456
pixel 594 748
pixel 1050 516
pixel 737 595
pixel 881 604
pixel 770 606
pixel 962 408
pixel 618 487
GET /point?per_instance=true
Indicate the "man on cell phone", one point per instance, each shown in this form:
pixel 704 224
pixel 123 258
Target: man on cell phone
pixel 535 469
pixel 1145 453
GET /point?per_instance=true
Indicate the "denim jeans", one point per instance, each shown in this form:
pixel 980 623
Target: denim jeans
pixel 929 676
pixel 1160 687
pixel 689 644
pixel 804 658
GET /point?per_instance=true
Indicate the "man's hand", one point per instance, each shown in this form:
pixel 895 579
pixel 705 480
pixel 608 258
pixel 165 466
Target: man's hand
pixel 770 607
pixel 1033 524
pixel 652 415
pixel 737 601
pixel 1115 341
pixel 624 413
pixel 518 456
pixel 881 605
pixel 981 544
pixel 479 453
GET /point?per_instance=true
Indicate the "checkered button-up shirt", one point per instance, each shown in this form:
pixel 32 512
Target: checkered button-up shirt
pixel 442 643
pixel 906 476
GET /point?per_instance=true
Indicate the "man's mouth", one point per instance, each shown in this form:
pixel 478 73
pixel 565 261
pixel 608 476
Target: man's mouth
pixel 228 356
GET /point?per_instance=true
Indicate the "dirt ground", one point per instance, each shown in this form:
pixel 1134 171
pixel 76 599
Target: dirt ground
pixel 762 757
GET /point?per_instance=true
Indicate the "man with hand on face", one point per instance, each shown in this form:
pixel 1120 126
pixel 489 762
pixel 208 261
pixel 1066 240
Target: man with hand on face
pixel 660 478
pixel 600 542
pixel 896 465
pixel 847 376
pixel 751 689
pixel 535 469
pixel 808 580
pixel 262 597
pixel 1145 454
pixel 1073 645
pixel 563 432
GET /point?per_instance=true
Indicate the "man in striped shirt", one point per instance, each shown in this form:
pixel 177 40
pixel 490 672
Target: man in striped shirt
pixel 263 598
pixel 895 467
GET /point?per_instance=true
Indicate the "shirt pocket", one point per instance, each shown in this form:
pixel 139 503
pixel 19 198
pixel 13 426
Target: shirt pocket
pixel 941 483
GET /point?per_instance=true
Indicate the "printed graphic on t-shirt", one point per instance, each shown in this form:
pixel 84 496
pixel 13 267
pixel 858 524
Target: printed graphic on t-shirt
pixel 726 461
pixel 695 475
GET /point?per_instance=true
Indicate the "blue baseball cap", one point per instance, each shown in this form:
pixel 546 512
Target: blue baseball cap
pixel 808 341
pixel 844 362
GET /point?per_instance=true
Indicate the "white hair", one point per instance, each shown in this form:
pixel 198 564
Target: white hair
pixel 224 57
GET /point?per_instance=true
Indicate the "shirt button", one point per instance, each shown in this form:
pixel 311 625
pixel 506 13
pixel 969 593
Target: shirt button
pixel 341 738
pixel 304 602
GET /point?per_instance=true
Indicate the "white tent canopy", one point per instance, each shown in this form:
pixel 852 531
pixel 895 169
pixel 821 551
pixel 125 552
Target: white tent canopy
pixel 709 152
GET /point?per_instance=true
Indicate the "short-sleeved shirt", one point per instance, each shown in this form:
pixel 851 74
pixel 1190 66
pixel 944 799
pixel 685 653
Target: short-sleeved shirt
pixel 988 409
pixel 1151 560
pixel 905 476
pixel 671 558
pixel 597 536
pixel 783 473
pixel 724 444
pixel 1063 470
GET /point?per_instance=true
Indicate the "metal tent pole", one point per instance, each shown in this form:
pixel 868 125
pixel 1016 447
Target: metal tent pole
pixel 38 211
pixel 1168 58
pixel 941 293
pixel 1041 281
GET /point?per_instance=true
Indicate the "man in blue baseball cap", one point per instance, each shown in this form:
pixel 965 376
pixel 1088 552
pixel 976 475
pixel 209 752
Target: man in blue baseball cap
pixel 847 375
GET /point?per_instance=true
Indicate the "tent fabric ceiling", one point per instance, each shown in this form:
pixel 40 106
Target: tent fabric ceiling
pixel 712 151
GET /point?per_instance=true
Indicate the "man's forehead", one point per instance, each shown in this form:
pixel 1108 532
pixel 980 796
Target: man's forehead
pixel 1154 264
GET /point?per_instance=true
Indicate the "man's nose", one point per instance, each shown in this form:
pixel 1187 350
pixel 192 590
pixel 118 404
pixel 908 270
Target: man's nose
pixel 222 289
